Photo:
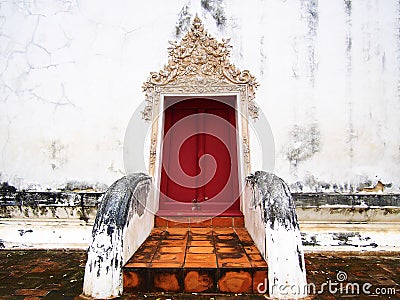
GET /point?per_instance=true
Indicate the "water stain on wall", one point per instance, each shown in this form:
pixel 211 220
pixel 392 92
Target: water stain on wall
pixel 398 50
pixel 305 142
pixel 349 40
pixel 309 14
pixel 216 10
pixel 57 154
pixel 184 21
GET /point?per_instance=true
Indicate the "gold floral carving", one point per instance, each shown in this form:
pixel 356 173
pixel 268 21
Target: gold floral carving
pixel 199 64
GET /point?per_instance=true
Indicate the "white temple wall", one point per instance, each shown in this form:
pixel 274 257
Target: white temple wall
pixel 71 75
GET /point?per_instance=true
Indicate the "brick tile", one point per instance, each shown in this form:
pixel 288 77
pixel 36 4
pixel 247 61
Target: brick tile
pixel 170 249
pixel 201 243
pixel 235 282
pixel 179 222
pixel 167 280
pixel 148 247
pixel 137 264
pixel 200 257
pixel 200 250
pixel 174 243
pixel 160 222
pixel 31 292
pixel 175 237
pixel 166 264
pixel 201 238
pixel 158 231
pixel 155 237
pixel 228 244
pixel 251 249
pixel 238 222
pixel 223 231
pixel 260 281
pixel 228 249
pixel 227 239
pixel 201 264
pixel 177 231
pixel 229 260
pixel 256 257
pixel 197 281
pixel 199 223
pixel 242 231
pixel 258 263
pixel 222 222
pixel 169 257
pixel 135 280
pixel 146 257
pixel 201 231
pixel 234 263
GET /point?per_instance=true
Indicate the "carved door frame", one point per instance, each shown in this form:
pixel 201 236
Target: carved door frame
pixel 199 66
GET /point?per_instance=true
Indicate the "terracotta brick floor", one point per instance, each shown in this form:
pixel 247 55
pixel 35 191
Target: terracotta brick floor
pixel 58 274
pixel 209 259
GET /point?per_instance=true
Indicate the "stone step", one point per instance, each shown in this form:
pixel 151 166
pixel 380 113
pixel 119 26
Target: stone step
pixel 199 222
pixel 196 260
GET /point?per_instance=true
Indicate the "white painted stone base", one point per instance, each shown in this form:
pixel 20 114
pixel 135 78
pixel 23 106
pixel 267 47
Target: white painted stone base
pixel 45 234
pixel 359 237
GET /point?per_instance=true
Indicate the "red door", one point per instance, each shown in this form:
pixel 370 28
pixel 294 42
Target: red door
pixel 199 174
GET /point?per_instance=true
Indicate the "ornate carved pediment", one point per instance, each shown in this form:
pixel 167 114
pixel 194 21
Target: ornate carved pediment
pixel 199 64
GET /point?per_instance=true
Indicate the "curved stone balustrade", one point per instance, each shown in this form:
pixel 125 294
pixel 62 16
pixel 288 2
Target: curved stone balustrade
pixel 272 221
pixel 123 221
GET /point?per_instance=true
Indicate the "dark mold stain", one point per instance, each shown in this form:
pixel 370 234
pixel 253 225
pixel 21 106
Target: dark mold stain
pixel 344 239
pixel 398 48
pixel 40 203
pixel 114 207
pixel 349 43
pixel 215 8
pixel 300 258
pixel 305 143
pixel 349 200
pixel 183 23
pixel 309 12
pixel 118 203
pixel 277 202
pixel 22 231
pixel 309 240
pixel 6 189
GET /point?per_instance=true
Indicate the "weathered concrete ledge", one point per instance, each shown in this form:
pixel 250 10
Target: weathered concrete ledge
pixel 11 196
pixel 46 220
pixel 349 222
pixel 35 198
pixel 357 199
pixel 333 222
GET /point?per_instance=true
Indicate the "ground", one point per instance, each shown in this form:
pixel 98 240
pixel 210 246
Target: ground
pixel 58 274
